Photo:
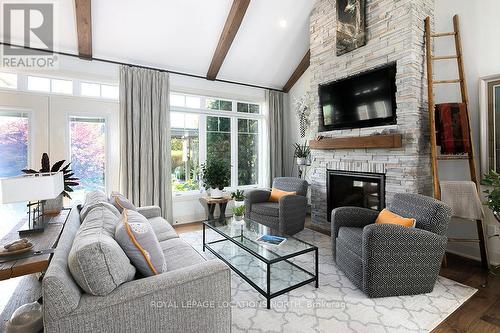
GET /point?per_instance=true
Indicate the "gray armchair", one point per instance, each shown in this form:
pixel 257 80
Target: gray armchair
pixel 391 260
pixel 286 216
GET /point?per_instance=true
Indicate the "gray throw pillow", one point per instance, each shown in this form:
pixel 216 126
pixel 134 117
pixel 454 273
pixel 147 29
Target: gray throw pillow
pixel 121 202
pixel 96 261
pixel 92 198
pixel 87 209
pixel 137 238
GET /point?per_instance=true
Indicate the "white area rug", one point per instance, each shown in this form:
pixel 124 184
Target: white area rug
pixel 337 305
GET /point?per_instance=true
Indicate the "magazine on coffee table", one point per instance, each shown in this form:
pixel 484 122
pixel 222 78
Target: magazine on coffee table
pixel 271 240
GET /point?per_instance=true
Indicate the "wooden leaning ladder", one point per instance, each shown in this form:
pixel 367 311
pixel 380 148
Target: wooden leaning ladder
pixel 432 121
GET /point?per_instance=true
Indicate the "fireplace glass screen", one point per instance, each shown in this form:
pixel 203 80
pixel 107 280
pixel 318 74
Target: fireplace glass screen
pixel 346 188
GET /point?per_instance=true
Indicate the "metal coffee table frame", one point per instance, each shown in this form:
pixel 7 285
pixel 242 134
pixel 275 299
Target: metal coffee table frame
pixel 266 293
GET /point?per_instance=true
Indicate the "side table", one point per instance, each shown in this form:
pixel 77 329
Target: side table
pixel 212 202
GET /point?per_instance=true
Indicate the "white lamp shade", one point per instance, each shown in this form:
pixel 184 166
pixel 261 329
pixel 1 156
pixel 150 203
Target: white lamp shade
pixel 33 187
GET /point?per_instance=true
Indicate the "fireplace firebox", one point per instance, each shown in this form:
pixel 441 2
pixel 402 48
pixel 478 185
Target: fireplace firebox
pixel 350 188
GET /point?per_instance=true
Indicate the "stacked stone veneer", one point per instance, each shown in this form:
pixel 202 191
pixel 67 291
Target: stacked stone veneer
pixel 395 33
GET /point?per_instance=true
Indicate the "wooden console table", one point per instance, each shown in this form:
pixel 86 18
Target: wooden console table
pixel 41 241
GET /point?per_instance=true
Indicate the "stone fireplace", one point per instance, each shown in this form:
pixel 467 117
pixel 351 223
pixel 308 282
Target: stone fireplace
pixel 395 33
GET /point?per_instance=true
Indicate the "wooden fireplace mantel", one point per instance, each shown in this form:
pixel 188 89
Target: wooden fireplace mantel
pixel 370 141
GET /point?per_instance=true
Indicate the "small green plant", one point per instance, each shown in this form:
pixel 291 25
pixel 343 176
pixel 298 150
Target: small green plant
pixel 301 151
pixel 238 195
pixel 239 211
pixel 216 173
pixel 493 196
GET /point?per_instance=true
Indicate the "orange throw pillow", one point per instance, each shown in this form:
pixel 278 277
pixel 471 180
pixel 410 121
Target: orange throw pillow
pixel 388 217
pixel 277 194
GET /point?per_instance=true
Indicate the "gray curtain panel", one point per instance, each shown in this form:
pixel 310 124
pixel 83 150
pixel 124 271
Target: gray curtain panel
pixel 276 135
pixel 145 138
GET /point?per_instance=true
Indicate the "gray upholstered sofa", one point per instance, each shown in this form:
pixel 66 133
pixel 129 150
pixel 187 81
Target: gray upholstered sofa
pixel 286 216
pixel 387 259
pixel 192 296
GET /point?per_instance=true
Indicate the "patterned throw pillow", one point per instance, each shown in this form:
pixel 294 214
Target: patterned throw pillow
pixel 121 202
pixel 276 194
pixel 137 238
pixel 388 217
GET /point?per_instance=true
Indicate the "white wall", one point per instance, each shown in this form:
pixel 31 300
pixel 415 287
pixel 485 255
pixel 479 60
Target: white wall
pixel 481 51
pixel 480 33
pixel 292 134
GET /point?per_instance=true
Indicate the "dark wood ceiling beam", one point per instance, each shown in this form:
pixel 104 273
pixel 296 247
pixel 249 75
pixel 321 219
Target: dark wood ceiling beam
pixel 301 68
pixel 84 28
pixel 233 22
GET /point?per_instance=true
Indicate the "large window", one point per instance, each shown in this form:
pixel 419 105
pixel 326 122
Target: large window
pixel 185 151
pixel 62 86
pixel 14 138
pixel 8 80
pixel 219 139
pixel 13 143
pixel 205 128
pixel 219 104
pixel 88 153
pixel 36 83
pixel 248 151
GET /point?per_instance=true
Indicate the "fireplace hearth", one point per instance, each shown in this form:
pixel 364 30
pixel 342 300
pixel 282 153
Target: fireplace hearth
pixel 351 188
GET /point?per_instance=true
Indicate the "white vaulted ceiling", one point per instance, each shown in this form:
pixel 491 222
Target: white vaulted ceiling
pixel 182 35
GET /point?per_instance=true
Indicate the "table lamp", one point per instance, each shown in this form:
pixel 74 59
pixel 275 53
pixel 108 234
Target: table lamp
pixel 34 188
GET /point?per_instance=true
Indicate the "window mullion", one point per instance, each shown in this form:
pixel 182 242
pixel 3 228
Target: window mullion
pixel 202 127
pixel 234 152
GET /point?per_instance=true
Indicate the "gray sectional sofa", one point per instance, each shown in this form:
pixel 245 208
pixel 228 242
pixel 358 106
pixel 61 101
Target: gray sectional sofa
pixel 193 295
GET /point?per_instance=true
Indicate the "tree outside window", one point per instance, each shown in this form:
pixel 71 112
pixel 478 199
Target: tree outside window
pixel 248 151
pixel 219 138
pixel 185 145
pixel 14 136
pixel 88 154
pixel 13 144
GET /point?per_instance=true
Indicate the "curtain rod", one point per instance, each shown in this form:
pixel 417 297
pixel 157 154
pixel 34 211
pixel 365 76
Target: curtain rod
pixel 135 65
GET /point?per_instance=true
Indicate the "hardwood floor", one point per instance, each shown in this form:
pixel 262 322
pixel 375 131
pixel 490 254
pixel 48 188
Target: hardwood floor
pixel 480 314
pixel 188 227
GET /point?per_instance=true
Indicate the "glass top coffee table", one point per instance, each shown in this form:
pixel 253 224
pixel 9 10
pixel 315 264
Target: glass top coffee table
pixel 265 267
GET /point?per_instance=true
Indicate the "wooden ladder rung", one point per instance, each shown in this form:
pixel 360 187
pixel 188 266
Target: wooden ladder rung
pixel 443 34
pixel 453 157
pixel 445 57
pixel 447 81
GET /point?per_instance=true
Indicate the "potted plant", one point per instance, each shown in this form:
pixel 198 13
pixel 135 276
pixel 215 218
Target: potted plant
pixel 302 153
pixel 238 197
pixel 239 213
pixel 54 206
pixel 215 175
pixel 493 195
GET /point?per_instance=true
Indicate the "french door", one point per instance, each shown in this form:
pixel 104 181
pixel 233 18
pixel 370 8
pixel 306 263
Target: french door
pixel 79 130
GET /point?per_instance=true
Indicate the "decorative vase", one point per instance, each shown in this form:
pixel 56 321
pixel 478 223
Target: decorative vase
pixel 238 218
pixel 301 160
pixel 239 203
pixel 53 206
pixel 216 193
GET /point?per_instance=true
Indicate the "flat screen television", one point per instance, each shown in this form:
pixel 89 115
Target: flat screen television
pixel 364 100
